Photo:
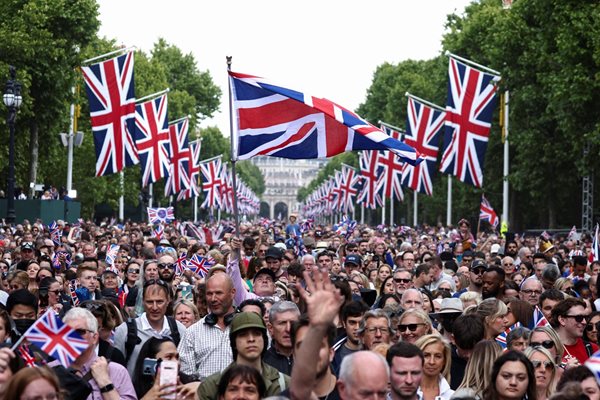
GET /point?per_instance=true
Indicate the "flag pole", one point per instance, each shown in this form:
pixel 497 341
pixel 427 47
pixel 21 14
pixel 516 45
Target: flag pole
pixel 233 155
pixel 122 197
pixel 151 96
pixel 473 63
pixel 449 203
pixel 415 208
pixel 151 194
pixel 362 213
pixel 505 188
pixel 383 212
pixel 428 103
pixel 110 53
pixel 392 209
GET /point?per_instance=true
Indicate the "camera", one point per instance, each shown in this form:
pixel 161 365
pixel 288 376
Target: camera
pixel 149 367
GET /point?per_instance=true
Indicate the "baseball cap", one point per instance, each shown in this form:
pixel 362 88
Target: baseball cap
pixel 274 252
pixel 478 264
pixel 265 271
pixel 245 320
pixel 353 259
pixel 27 246
pixel 495 248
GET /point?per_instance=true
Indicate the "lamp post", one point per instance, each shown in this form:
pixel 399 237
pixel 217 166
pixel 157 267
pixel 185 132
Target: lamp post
pixel 12 99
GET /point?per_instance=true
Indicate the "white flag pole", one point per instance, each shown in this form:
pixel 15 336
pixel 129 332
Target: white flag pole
pixel 415 208
pixel 449 205
pixel 122 198
pixel 506 161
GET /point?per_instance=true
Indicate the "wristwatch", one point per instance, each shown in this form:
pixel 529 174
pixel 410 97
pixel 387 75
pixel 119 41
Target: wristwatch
pixel 107 388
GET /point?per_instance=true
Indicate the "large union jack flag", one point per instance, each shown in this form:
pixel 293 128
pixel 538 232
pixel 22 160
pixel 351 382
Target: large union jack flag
pixel 56 339
pixel 193 171
pixel 471 102
pixel 178 178
pixel 211 182
pixel 390 181
pixel 275 121
pixel 487 213
pixel 152 139
pixel 370 171
pixel 111 95
pixel 423 129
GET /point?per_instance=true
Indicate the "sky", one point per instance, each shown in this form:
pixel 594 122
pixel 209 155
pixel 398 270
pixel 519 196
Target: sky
pixel 327 48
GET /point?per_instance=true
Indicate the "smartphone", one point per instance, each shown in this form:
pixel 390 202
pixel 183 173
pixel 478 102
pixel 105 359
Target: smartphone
pixel 168 375
pixel 186 292
pixel 149 367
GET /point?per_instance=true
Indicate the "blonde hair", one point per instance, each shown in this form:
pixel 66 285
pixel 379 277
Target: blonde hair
pixel 470 296
pixel 427 340
pixel 478 373
pixel 552 383
pixel 548 330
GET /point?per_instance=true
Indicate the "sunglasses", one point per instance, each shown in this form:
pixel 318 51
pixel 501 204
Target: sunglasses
pixel 547 364
pixel 578 318
pixel 400 280
pixel 56 292
pixel 410 327
pixel 82 331
pixel 478 271
pixel 165 266
pixel 547 344
pixel 590 327
pixel 133 271
pixel 159 282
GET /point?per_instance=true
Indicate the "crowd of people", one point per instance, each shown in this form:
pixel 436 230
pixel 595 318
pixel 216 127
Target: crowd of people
pixel 289 310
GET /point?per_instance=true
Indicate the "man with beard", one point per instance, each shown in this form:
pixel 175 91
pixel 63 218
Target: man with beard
pixel 476 272
pixel 204 348
pixel 406 370
pixel 511 249
pixel 493 283
pixel 166 268
pixel 352 314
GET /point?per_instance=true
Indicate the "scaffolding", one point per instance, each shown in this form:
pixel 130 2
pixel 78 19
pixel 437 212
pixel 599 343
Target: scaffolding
pixel 587 197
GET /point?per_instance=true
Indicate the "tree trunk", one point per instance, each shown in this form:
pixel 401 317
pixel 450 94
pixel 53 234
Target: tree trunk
pixel 33 153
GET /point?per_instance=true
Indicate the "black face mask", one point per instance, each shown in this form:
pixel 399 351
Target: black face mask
pixel 21 325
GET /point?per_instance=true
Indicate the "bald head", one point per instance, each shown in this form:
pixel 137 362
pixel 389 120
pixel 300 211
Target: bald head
pixel 411 298
pixel 363 374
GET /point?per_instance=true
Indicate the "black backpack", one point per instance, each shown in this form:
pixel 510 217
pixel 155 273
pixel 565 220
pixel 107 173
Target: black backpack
pixel 133 339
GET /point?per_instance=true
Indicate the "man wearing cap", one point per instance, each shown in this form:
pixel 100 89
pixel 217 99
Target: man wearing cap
pixel 352 262
pixel 292 229
pixel 494 250
pixel 27 251
pixel 248 340
pixel 273 259
pixel 478 268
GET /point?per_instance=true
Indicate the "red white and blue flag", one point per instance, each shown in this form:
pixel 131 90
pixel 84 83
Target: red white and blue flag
pixel 349 188
pixel 152 139
pixel 27 356
pixel 370 172
pixel 198 265
pixel 181 263
pixel 390 181
pixel 471 102
pixel 276 121
pixel 55 233
pixel 111 94
pixel 538 318
pixel 112 253
pixel 161 214
pixel 423 130
pixel 72 288
pixel 158 231
pixel 178 178
pixel 595 253
pixel 501 338
pixel 56 339
pixel 211 182
pixel 193 172
pixel 487 213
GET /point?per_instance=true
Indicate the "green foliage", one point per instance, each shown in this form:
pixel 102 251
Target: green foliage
pixel 251 175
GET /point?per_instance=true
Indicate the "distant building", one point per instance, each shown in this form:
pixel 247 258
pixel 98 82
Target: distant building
pixel 283 178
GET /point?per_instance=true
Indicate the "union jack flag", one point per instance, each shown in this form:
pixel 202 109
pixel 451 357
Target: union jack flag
pixel 423 130
pixel 538 318
pixel 211 182
pixel 307 224
pixel 72 288
pixel 390 181
pixel 572 232
pixel 226 190
pixel 279 122
pixel 158 231
pixel 111 95
pixel 161 214
pixel 181 263
pixel 471 101
pixel 193 172
pixel 111 254
pixel 152 139
pixel 198 265
pixel 370 172
pixel 348 188
pixel 178 178
pixel 501 338
pixel 595 253
pixel 55 233
pixel 487 213
pixel 27 356
pixel 56 339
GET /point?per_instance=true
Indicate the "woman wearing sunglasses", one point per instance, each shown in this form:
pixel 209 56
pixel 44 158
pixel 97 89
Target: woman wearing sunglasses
pixel 544 369
pixel 413 324
pixel 436 368
pixel 591 330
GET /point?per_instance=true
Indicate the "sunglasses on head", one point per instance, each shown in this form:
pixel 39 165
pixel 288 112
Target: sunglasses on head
pixel 159 282
pixel 547 344
pixel 410 327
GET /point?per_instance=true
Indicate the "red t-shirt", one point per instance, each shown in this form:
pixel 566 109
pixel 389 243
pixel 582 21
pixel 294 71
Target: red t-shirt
pixel 579 351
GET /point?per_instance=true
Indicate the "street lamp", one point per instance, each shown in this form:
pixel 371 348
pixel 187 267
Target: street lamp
pixel 12 99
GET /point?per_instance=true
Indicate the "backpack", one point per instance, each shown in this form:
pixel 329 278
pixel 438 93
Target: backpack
pixel 133 339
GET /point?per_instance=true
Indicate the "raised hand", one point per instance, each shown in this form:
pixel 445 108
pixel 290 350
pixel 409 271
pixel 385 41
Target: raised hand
pixel 323 301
